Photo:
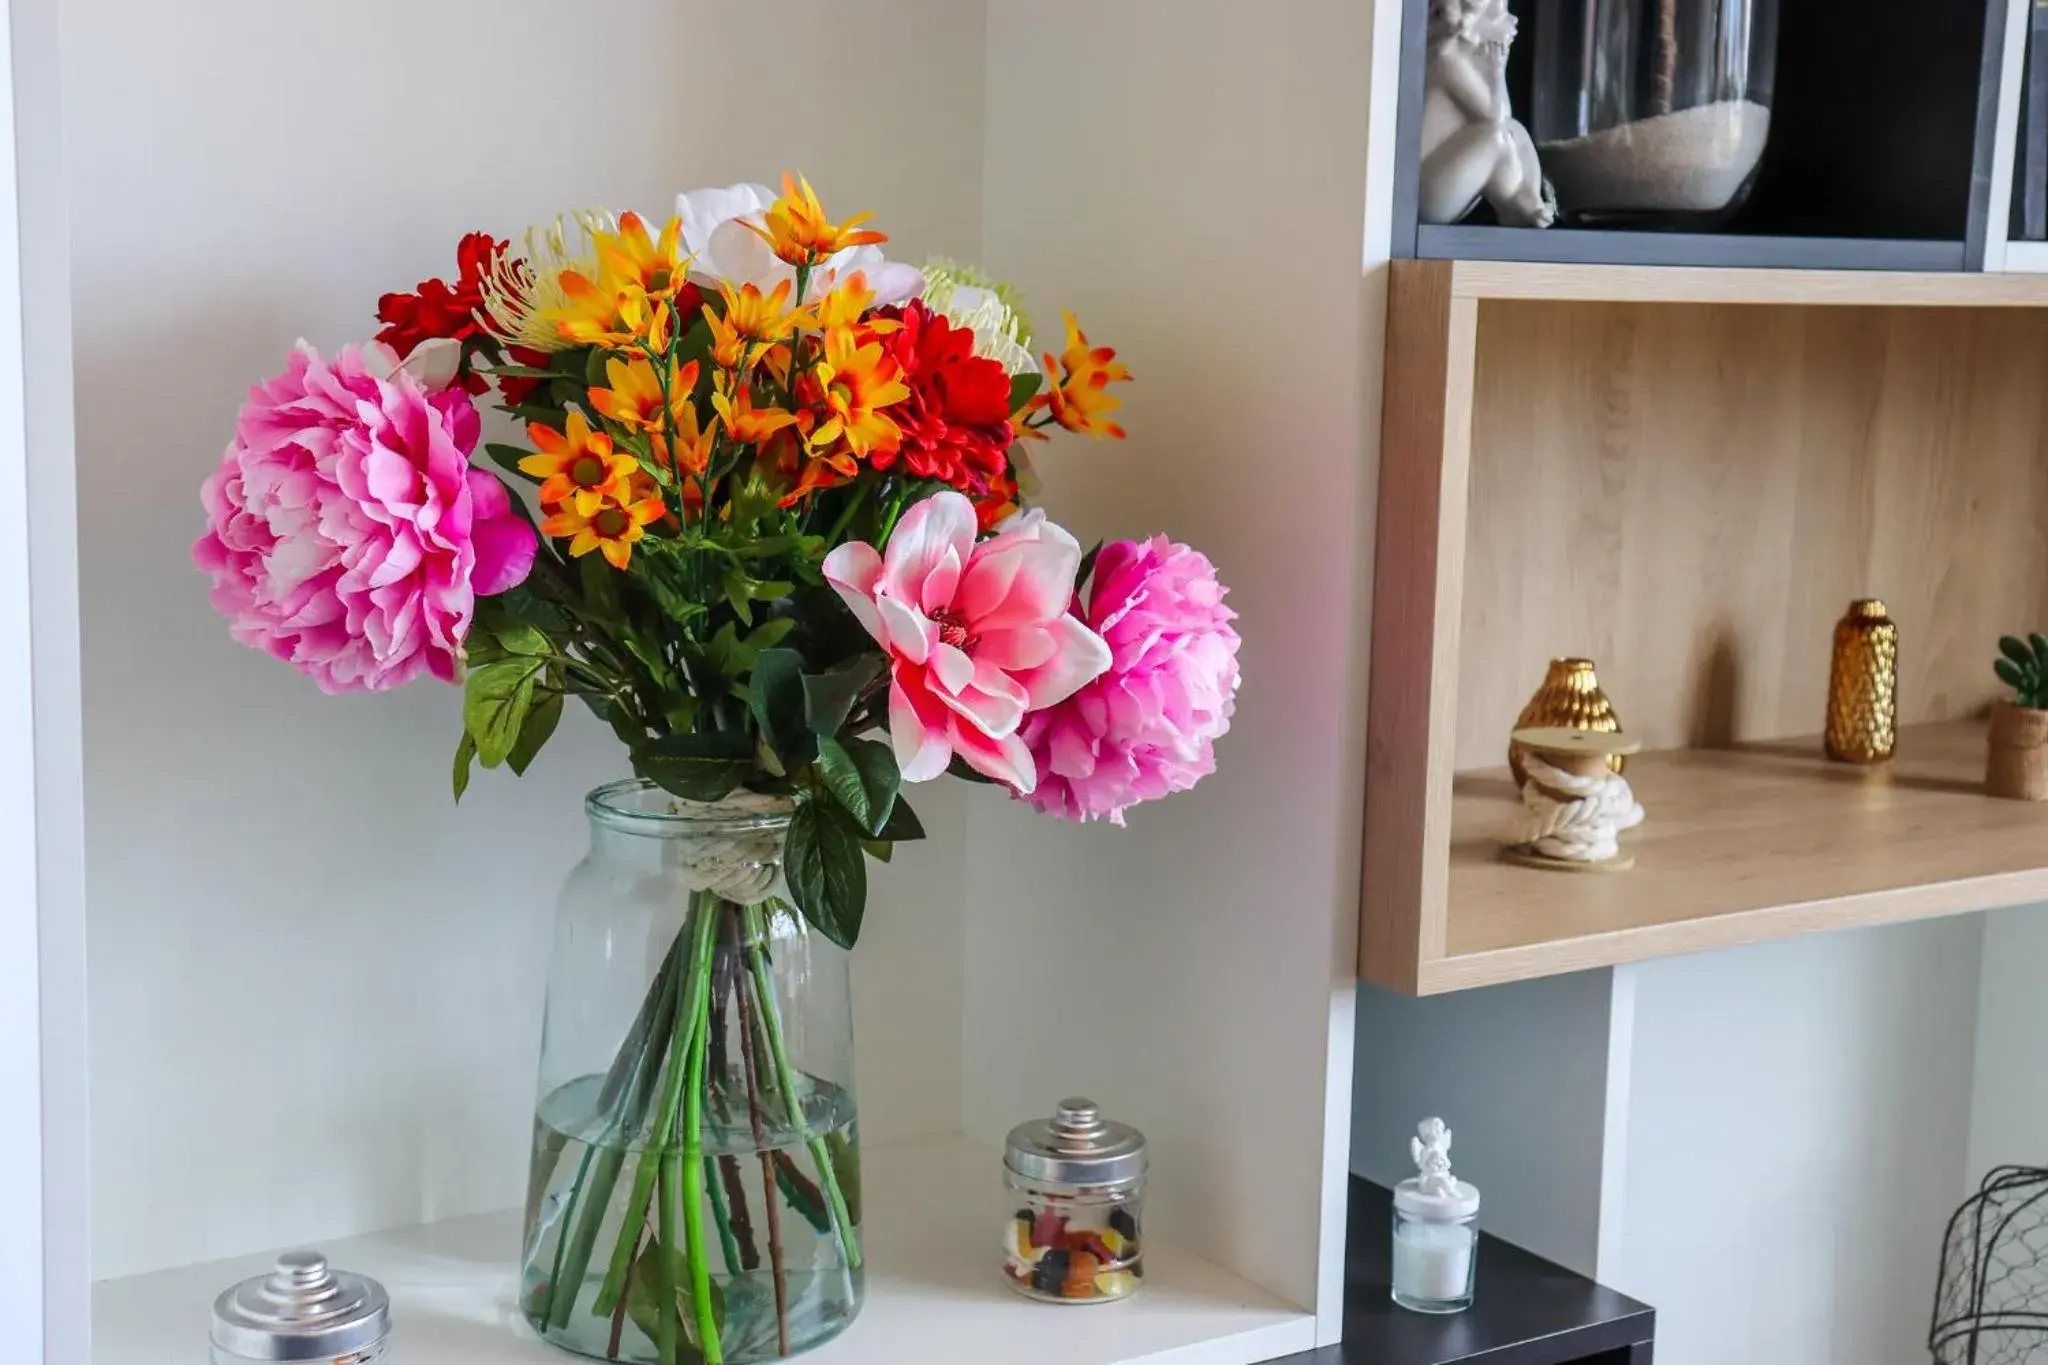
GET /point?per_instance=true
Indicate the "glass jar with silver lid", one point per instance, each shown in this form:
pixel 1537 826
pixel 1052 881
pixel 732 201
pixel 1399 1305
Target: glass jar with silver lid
pixel 302 1310
pixel 1075 1236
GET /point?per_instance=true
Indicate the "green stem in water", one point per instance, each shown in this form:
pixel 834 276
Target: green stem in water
pixel 590 1196
pixel 728 1244
pixel 696 1262
pixel 771 1015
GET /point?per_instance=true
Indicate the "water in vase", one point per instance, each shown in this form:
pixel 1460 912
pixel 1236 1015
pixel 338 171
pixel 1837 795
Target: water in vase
pixel 780 1279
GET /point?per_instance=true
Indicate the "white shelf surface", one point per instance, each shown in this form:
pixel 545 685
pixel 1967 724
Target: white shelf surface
pixel 934 1292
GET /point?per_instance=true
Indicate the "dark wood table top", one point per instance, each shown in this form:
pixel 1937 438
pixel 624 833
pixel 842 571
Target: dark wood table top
pixel 1525 1311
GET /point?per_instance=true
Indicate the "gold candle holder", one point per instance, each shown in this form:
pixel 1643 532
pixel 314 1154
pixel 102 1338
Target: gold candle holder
pixel 1863 699
pixel 1570 699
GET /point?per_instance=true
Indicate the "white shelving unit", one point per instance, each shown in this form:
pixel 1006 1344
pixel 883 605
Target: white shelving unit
pixel 272 872
pixel 932 1295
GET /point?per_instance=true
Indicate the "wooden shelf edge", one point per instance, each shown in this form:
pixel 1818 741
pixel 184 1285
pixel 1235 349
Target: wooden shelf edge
pixel 1538 280
pixel 1557 957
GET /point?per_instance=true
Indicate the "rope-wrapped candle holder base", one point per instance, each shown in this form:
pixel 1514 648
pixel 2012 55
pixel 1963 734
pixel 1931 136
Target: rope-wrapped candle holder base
pixel 1574 806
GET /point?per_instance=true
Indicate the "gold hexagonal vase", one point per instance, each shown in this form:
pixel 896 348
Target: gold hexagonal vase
pixel 1570 699
pixel 1863 685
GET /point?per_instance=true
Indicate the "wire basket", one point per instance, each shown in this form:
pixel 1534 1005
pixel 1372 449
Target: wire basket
pixel 1991 1305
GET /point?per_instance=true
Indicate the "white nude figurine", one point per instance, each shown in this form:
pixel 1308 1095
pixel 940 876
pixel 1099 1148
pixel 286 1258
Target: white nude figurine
pixel 1472 145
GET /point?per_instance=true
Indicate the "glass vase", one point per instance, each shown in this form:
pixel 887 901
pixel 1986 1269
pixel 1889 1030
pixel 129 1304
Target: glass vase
pixel 1653 111
pixel 695 1187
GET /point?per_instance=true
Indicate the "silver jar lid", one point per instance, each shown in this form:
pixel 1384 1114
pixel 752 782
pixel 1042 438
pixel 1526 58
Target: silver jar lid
pixel 301 1310
pixel 1077 1146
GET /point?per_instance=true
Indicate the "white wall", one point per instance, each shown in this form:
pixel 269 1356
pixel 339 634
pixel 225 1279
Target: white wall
pixel 310 975
pixel 1187 177
pixel 1797 1137
pixel 2009 1101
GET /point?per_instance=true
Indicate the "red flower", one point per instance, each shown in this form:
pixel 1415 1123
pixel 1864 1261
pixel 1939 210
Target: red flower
pixel 956 422
pixel 438 309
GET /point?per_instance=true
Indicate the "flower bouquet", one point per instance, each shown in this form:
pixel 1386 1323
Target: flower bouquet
pixel 768 525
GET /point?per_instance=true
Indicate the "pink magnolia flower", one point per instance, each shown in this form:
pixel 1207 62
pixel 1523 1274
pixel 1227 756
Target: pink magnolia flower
pixel 978 636
pixel 1148 725
pixel 347 534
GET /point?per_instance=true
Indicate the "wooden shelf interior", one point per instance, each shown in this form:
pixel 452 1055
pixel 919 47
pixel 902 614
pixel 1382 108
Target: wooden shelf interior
pixel 1756 841
pixel 1690 493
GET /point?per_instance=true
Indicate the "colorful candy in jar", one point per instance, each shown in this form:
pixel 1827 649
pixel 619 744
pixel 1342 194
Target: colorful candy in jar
pixel 1073 1254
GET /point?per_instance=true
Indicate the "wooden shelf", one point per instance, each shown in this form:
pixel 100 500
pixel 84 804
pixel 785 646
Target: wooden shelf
pixel 934 1291
pixel 1619 462
pixel 1743 845
pixel 1483 280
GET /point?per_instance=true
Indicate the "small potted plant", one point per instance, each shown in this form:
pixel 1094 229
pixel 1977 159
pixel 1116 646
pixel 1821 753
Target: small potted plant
pixel 2018 766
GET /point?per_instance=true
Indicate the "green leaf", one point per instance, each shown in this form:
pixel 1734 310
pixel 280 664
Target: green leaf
pixel 2040 644
pixel 2016 649
pixel 827 872
pixel 521 372
pixel 861 774
pixel 644 1289
pixel 846 1165
pixel 507 458
pixel 629 731
pixel 830 695
pixel 494 705
pixel 1024 387
pixel 1087 566
pixel 2009 673
pixel 902 826
pixel 775 694
pixel 702 767
pixel 958 768
pixel 541 721
pixel 802 1193
pixel 465 756
pixel 600 587
pixel 881 850
pixel 517 637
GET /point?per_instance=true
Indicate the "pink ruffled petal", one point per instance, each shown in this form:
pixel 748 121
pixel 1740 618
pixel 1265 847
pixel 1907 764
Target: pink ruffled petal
pixel 854 569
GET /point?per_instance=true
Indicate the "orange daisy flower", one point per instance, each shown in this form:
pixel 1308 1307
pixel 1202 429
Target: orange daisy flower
pixel 752 323
pixel 630 258
pixel 634 399
pixel 578 467
pixel 612 526
pixel 796 228
pixel 747 424
pixel 849 386
pixel 1081 400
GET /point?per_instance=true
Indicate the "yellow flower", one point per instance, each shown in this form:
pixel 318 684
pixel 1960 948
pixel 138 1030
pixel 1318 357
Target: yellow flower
pixel 578 467
pixel 604 312
pixel 611 526
pixel 630 259
pixel 634 398
pixel 1081 400
pixel 747 424
pixel 796 227
pixel 844 305
pixel 849 386
pixel 693 442
pixel 752 322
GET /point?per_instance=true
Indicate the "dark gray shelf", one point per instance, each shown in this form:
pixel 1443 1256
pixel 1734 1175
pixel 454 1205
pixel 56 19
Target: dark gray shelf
pixel 1584 246
pixel 1527 1311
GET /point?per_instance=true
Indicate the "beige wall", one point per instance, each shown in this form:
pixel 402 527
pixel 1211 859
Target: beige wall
pixel 1188 177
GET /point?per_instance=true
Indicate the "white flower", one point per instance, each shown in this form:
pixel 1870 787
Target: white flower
pixel 715 233
pixel 991 321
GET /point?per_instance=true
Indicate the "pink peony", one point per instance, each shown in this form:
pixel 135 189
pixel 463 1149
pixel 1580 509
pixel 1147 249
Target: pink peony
pixel 347 534
pixel 977 635
pixel 1147 726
